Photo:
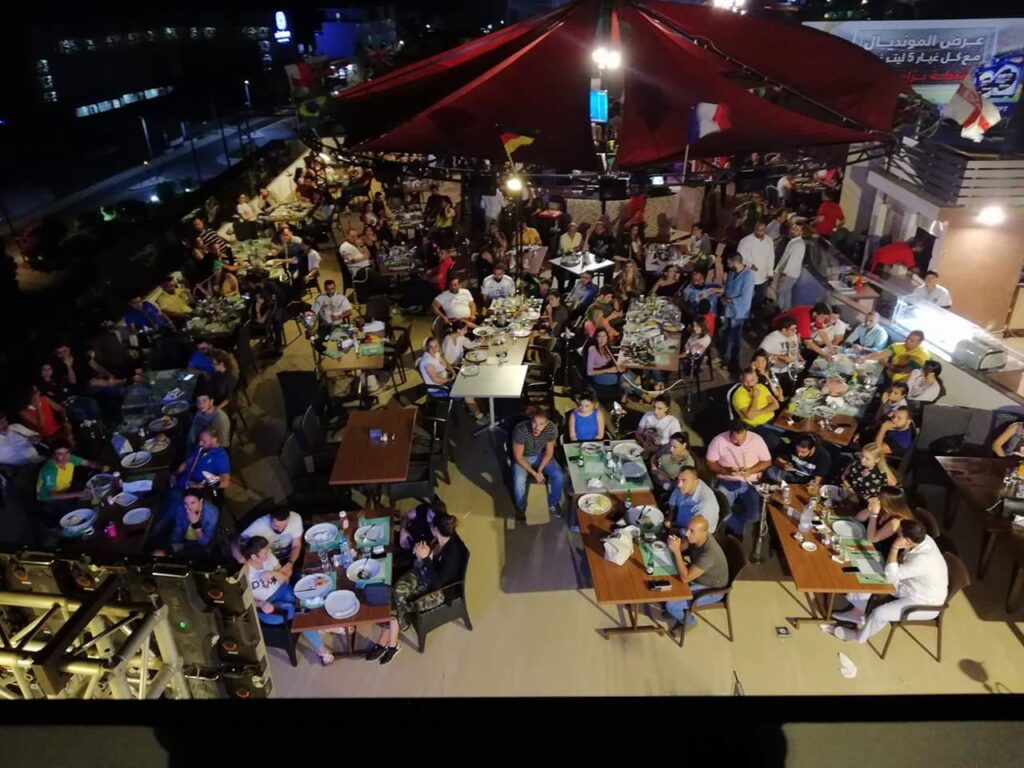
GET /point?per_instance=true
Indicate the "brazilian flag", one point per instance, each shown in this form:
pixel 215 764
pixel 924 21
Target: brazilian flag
pixel 311 109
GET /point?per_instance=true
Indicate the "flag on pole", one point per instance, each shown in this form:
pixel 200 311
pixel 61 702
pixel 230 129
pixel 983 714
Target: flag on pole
pixel 972 111
pixel 311 109
pixel 708 118
pixel 513 140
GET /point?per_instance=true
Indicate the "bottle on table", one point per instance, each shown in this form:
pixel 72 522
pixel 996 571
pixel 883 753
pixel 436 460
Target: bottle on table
pixel 629 499
pixel 806 516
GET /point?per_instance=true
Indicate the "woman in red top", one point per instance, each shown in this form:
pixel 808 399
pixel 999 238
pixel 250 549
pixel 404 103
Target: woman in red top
pixel 46 417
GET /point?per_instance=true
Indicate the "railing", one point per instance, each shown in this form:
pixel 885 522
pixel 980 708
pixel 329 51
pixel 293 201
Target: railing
pixel 954 178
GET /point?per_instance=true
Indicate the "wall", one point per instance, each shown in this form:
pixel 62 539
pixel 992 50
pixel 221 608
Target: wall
pixel 981 266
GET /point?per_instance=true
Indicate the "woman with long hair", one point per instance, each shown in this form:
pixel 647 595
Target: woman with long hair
pixel 869 474
pixel 765 375
pixel 669 283
pixel 602 369
pixel 884 514
pixel 629 283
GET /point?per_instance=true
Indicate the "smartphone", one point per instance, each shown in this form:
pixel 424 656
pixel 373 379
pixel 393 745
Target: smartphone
pixel 850 569
pixel 658 584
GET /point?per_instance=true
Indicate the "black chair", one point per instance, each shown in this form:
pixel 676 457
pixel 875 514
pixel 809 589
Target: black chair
pixel 959 579
pixel 248 368
pixel 295 312
pixel 281 636
pixel 419 483
pixel 737 560
pixel 379 308
pixel 453 608
pixel 431 442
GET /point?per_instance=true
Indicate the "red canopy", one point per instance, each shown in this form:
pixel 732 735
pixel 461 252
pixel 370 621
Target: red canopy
pixel 535 77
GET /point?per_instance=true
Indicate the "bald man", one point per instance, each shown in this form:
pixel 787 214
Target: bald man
pixel 707 569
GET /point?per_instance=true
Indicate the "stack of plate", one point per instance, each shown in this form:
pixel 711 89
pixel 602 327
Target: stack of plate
pixel 342 604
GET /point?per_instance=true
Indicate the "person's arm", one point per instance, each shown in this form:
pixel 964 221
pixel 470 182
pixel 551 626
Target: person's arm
pixel 439 311
pixel 687 573
pixel 600 425
pixel 208 526
pixel 549 454
pixel 520 459
pixel 1004 437
pixel 880 437
pixel 572 426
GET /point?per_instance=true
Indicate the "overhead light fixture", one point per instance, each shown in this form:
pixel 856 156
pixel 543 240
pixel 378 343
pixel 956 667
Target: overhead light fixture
pixel 992 215
pixel 606 59
pixel 514 184
pixel 154 199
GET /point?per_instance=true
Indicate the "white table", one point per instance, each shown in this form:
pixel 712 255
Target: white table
pixel 492 381
pixel 593 267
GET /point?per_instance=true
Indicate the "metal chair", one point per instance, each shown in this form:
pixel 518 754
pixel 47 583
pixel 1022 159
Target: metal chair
pixel 728 400
pixel 959 579
pixel 737 560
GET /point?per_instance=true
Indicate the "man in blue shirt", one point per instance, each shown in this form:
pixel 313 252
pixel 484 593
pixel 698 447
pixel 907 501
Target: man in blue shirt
pixel 692 496
pixel 583 292
pixel 202 359
pixel 870 335
pixel 699 289
pixel 195 526
pixel 144 315
pixel 738 295
pixel 207 461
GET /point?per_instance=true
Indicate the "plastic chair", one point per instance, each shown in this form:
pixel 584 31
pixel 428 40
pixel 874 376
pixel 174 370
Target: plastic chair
pixel 737 560
pixel 959 579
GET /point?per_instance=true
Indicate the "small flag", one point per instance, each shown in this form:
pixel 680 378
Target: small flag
pixel 302 78
pixel 972 111
pixel 513 141
pixel 311 109
pixel 708 118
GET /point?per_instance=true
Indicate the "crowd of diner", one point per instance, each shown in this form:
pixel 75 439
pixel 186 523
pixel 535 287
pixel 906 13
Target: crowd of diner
pixel 733 303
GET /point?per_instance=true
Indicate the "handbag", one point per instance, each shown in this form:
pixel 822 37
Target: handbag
pixel 377 594
pixel 618 547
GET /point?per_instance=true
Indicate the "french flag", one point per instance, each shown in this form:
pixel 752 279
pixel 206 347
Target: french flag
pixel 708 118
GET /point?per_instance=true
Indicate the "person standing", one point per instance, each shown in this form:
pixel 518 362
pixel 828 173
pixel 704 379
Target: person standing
pixel 790 266
pixel 738 296
pixel 758 251
pixel 932 292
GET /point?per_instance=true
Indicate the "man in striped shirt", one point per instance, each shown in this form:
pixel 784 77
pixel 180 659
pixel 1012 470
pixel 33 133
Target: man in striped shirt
pixel 207 238
pixel 533 456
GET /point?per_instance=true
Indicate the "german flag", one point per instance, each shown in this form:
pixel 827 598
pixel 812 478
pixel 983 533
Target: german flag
pixel 513 140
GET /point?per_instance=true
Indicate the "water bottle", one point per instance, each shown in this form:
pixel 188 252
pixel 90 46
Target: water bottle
pixel 346 552
pixel 806 516
pixel 629 499
pixel 785 495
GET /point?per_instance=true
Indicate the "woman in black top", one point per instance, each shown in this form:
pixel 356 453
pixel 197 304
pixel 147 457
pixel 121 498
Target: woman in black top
pixel 225 378
pixel 438 563
pixel 669 283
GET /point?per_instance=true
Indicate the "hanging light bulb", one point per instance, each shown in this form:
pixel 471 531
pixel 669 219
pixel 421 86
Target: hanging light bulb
pixel 600 55
pixel 514 184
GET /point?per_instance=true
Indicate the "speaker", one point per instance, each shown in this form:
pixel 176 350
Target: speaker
pixel 225 589
pixel 241 641
pixel 37 572
pixel 612 188
pixel 195 625
pixel 249 682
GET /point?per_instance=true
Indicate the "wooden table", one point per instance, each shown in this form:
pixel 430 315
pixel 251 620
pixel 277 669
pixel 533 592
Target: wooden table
pixel 979 481
pixel 815 573
pixel 129 539
pixel 670 366
pixel 848 425
pixel 318 619
pixel 361 461
pixel 624 584
pixel 352 362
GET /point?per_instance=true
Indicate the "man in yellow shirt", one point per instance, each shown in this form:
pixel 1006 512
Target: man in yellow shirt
pixel 901 359
pixel 172 300
pixel 529 235
pixel 756 406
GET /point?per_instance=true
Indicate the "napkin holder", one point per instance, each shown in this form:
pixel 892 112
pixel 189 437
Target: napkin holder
pixel 618 547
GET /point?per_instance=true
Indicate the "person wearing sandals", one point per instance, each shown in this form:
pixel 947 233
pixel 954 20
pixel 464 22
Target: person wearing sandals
pixel 438 563
pixel 274 596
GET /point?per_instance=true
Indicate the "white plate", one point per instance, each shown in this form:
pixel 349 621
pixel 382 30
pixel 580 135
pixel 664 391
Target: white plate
pixel 591 449
pixel 824 412
pixel 808 546
pixel 322 533
pixel 849 529
pixel 470 370
pixel 533 315
pixel 595 482
pixel 628 451
pixel 125 499
pixel 833 492
pixel 633 469
pixel 341 604
pixel 483 331
pixel 136 460
pixel 521 333
pixel 163 424
pixel 595 504
pixel 136 516
pixel 314 581
pixel 650 515
pixel 372 568
pixel 155 446
pixel 367 534
pixel 176 408
pixel 476 356
pixel 77 519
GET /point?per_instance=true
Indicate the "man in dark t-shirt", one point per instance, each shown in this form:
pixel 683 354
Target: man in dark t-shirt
pixel 708 568
pixel 533 456
pixel 801 462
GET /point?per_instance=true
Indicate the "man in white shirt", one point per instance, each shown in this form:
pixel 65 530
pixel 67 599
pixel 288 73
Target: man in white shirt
pixel 281 528
pixel 455 304
pixel 657 427
pixel 835 328
pixel 312 256
pixel 784 187
pixel 498 285
pixel 933 292
pixel 783 345
pixel 330 308
pixel 571 239
pixel 758 252
pixel 16 450
pixel 922 579
pixel 790 266
pixel 354 252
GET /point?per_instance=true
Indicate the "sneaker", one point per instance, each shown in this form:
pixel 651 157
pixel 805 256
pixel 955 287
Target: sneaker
pixel 575 527
pixel 555 511
pixel 521 515
pixel 375 652
pixel 389 654
pixel 404 623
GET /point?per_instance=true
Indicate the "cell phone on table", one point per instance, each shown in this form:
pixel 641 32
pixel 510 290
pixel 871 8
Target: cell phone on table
pixel 658 585
pixel 850 569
